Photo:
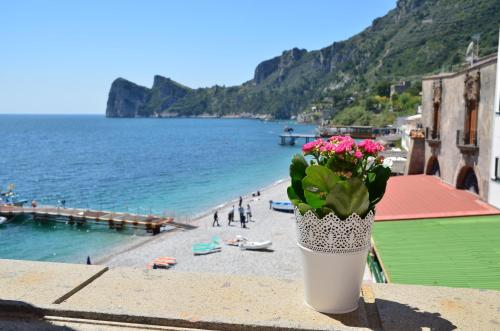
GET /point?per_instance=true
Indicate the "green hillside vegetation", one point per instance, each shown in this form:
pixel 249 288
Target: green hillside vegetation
pixel 348 78
pixel 379 111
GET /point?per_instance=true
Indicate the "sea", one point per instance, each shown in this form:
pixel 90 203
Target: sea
pixel 179 167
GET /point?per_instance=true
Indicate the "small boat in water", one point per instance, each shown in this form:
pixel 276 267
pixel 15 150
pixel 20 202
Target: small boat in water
pixel 3 220
pixel 284 206
pixel 11 198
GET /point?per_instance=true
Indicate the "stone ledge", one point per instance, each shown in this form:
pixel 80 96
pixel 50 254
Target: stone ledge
pixel 43 283
pixel 136 299
pixel 416 307
pixel 200 300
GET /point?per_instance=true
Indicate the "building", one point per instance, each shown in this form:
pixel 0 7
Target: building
pixel 406 125
pixel 399 88
pixel 494 187
pixel 458 119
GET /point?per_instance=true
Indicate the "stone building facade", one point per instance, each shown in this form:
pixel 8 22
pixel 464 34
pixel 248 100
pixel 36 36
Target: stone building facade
pixel 494 193
pixel 457 116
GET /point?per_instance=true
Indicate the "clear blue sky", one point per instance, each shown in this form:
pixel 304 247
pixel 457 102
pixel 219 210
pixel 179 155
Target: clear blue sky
pixel 59 56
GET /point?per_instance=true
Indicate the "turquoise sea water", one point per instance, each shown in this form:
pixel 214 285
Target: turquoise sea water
pixel 181 166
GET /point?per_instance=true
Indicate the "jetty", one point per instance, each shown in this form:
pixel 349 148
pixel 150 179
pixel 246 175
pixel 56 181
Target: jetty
pixel 114 220
pixel 290 138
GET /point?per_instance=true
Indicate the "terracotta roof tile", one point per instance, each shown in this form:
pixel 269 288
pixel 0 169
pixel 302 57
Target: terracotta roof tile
pixel 421 196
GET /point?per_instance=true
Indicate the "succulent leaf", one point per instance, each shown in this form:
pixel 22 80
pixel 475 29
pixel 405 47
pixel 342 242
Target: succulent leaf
pixel 349 197
pixel 318 182
pixel 304 208
pixel 294 198
pixel 298 167
pixel 376 183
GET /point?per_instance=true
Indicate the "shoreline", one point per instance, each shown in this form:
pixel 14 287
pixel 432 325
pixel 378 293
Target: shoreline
pixel 140 241
pixel 282 259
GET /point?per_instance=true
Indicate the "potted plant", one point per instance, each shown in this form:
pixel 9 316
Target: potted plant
pixel 334 194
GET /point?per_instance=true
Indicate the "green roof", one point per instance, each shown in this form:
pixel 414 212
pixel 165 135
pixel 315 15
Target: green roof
pixel 453 252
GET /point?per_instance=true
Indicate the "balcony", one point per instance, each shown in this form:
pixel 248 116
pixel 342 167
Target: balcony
pixel 432 136
pixel 467 141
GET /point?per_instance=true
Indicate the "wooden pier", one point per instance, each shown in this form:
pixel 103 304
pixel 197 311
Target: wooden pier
pixel 114 220
pixel 290 138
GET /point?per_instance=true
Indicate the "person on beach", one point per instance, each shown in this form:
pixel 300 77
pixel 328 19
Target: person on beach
pixel 241 200
pixel 270 204
pixel 249 213
pixel 34 204
pixel 216 219
pixel 242 216
pixel 230 216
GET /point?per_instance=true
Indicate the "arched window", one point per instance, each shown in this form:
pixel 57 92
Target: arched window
pixel 467 180
pixel 433 167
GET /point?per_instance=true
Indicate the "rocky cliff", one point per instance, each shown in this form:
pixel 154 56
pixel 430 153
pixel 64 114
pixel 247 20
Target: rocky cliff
pixel 126 98
pixel 417 37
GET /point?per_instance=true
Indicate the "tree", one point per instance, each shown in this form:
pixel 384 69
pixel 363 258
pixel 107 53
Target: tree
pixel 383 88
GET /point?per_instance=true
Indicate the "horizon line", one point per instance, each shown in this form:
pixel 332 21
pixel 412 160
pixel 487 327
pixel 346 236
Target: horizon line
pixel 52 114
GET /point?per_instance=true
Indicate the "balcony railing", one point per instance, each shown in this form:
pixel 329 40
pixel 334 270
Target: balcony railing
pixel 432 136
pixel 467 140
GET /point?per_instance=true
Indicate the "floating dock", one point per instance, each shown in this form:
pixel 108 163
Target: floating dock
pixel 114 220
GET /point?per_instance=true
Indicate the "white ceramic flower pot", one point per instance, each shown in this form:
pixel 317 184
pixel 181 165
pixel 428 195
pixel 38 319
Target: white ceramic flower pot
pixel 334 255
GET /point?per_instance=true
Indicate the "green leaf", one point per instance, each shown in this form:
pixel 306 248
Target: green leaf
pixel 317 184
pixel 298 167
pixel 376 183
pixel 291 193
pixel 314 200
pixel 323 211
pixel 349 197
pixel 304 208
pixel 293 196
pixel 297 172
pixel 297 188
pixel 319 179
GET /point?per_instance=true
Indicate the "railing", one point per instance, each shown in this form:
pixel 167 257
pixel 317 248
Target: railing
pixel 432 135
pixel 467 140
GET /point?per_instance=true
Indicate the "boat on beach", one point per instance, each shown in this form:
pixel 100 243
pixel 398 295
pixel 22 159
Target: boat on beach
pixel 255 245
pixel 283 206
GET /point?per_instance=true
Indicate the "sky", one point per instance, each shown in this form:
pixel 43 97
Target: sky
pixel 60 57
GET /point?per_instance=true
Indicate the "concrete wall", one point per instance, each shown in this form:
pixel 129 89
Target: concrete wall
pixel 494 193
pixel 452 117
pixel 416 157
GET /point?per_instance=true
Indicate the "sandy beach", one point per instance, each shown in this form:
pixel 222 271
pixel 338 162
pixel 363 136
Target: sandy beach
pixel 282 260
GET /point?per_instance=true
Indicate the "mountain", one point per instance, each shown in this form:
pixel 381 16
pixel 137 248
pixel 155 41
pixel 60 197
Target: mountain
pixel 416 38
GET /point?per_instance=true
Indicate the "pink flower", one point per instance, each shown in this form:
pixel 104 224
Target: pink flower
pixel 335 139
pixel 370 146
pixel 311 146
pixel 342 144
pixel 327 147
pixel 358 154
